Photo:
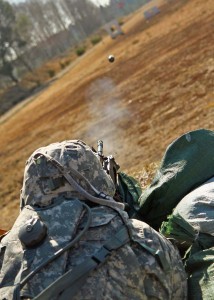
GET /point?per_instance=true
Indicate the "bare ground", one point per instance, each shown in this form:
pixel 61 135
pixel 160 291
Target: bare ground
pixel 160 86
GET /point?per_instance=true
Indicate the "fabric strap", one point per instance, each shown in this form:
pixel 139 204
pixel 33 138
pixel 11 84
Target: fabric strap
pixel 69 283
pixel 101 198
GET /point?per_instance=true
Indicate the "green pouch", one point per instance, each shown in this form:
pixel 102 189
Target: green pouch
pixel 200 268
pixel 129 190
pixel 187 163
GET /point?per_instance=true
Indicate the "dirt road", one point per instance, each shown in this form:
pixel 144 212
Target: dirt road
pixel 161 85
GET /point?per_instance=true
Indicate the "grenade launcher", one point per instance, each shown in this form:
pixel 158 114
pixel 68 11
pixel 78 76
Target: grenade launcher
pixel 108 162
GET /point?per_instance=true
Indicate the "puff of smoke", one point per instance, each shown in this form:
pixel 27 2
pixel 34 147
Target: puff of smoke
pixel 106 113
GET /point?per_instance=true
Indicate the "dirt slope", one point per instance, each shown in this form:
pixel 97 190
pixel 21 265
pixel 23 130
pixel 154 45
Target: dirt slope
pixel 160 86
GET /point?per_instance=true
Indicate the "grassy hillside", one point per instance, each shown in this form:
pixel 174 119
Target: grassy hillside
pixel 161 85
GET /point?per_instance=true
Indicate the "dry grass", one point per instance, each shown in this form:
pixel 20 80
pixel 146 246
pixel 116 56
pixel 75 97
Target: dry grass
pixel 146 175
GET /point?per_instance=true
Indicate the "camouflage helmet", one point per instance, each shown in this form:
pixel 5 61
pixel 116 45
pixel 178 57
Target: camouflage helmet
pixel 43 182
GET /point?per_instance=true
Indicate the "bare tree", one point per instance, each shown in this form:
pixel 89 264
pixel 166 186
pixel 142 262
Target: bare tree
pixel 46 28
pixel 7 40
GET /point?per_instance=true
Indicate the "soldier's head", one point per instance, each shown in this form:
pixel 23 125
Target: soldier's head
pixel 43 181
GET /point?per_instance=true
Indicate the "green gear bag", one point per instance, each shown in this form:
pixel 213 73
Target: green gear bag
pixel 178 229
pixel 198 258
pixel 129 190
pixel 187 163
pixel 200 268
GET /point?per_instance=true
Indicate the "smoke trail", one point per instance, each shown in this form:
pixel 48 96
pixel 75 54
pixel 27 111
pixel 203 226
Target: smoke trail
pixel 107 114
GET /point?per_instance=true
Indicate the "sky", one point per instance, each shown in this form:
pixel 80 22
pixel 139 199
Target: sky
pixel 95 1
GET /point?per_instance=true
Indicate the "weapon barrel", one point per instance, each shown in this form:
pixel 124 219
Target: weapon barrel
pixel 100 148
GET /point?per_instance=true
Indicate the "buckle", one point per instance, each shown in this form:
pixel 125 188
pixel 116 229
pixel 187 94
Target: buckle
pixel 101 255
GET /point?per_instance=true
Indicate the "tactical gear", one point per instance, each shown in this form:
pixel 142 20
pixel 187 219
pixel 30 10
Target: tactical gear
pixel 197 208
pixel 108 162
pixel 73 241
pixel 187 163
pixel 32 233
pixel 184 188
pixel 191 225
pixel 200 267
pixel 40 186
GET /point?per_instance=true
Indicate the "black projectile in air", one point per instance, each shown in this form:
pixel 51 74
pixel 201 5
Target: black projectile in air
pixel 111 58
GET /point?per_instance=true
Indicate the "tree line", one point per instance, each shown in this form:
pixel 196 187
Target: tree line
pixel 35 31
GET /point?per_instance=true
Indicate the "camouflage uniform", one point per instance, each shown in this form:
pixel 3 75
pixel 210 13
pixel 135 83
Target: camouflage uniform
pixel 145 266
pixel 42 181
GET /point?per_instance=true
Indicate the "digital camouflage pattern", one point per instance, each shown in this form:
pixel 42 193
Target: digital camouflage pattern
pixel 131 272
pixel 43 182
pixel 62 221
